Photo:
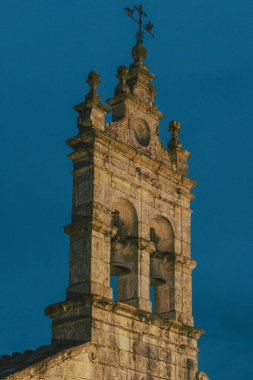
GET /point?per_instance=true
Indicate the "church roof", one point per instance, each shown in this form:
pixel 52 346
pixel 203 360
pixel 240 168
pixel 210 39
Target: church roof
pixel 10 364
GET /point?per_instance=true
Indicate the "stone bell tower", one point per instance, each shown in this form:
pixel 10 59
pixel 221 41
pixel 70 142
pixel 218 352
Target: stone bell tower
pixel 131 222
pixel 131 219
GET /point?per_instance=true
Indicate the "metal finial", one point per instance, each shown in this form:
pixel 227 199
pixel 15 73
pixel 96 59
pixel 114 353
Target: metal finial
pixel 142 27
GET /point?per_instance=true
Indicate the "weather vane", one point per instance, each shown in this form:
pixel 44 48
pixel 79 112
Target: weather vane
pixel 142 27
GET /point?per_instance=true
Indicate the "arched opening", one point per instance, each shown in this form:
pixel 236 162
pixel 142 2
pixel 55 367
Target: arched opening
pixel 162 236
pixel 123 249
pixel 141 132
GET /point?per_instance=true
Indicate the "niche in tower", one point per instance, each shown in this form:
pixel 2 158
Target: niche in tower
pixel 124 251
pixel 161 266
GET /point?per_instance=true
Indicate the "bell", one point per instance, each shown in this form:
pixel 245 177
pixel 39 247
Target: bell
pixel 119 267
pixel 156 278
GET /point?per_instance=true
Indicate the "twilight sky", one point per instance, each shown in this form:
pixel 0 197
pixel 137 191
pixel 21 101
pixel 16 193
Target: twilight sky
pixel 203 59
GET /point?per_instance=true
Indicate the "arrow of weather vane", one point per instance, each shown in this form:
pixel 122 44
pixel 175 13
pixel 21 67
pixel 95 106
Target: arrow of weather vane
pixel 142 27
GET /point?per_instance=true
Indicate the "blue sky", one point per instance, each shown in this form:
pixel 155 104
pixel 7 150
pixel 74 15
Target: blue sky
pixel 203 59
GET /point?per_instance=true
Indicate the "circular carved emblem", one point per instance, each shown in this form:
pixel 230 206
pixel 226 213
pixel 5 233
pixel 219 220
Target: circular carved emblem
pixel 141 132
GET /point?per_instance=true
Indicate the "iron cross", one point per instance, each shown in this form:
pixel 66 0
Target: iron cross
pixel 142 27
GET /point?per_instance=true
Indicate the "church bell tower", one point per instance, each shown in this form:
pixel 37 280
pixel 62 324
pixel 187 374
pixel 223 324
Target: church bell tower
pixel 131 226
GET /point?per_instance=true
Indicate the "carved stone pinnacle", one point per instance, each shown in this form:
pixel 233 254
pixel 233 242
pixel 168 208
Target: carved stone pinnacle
pixel 122 87
pixel 93 81
pixel 175 129
pixel 139 53
pixel 153 92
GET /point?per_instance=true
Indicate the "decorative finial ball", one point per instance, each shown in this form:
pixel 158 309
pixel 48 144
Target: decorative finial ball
pixel 139 53
pixel 93 79
pixel 122 72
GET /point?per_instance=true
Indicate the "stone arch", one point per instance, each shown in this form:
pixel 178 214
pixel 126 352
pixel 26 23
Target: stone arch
pixel 164 233
pixel 163 237
pixel 128 216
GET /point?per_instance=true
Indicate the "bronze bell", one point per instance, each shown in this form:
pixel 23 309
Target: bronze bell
pixel 119 266
pixel 156 278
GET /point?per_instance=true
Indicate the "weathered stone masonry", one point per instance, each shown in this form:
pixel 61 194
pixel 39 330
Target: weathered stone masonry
pixel 130 216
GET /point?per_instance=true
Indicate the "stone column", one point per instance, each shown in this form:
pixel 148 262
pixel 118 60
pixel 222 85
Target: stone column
pixel 133 288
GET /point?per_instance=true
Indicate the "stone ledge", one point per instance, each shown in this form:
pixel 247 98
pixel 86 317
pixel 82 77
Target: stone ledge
pixel 89 301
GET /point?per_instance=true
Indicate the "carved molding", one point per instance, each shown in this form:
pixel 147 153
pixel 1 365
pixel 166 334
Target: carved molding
pixel 74 305
pixel 88 225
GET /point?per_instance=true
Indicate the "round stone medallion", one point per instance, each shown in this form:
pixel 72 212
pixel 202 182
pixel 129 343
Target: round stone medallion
pixel 141 132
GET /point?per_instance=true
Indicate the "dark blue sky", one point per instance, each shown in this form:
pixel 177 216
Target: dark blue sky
pixel 203 58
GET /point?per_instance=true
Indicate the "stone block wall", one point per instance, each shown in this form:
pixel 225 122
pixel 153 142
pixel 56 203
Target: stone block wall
pixel 130 343
pixel 121 343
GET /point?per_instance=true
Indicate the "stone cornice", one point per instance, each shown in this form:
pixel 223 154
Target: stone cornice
pixel 137 156
pixel 81 139
pixel 81 154
pixel 140 158
pixel 94 301
pixel 87 224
